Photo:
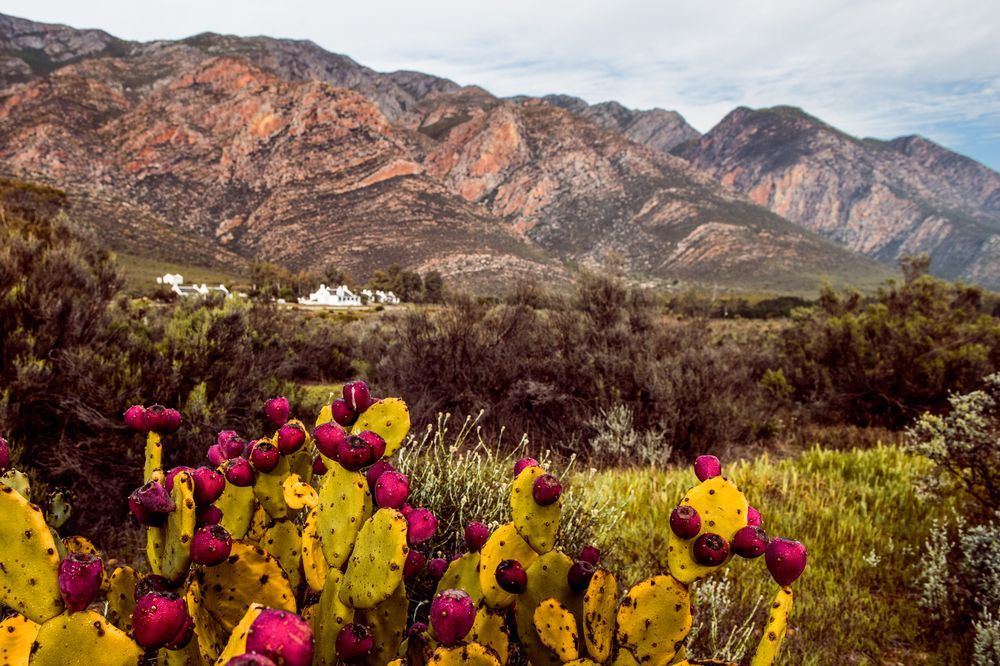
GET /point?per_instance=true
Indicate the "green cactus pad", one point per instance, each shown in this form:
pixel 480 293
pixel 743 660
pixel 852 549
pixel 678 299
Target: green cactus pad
pixel 331 616
pixel 504 544
pixel 654 619
pixel 723 511
pixel 556 629
pixel 387 622
pixel 237 506
pixel 83 639
pixel 774 632
pixel 249 575
pixel 121 597
pixel 153 469
pixel 547 579
pixel 209 635
pixel 298 494
pixel 269 491
pixel 181 523
pixel 17 634
pixel 58 511
pixel 345 503
pixel 29 577
pixel 470 654
pixel 535 523
pixel 462 574
pixel 600 604
pixel 375 568
pixel 314 562
pixel 237 643
pixel 18 481
pixel 283 541
pixel 390 418
pixel 490 629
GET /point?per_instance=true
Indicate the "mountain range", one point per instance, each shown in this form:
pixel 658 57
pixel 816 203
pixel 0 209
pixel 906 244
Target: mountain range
pixel 218 150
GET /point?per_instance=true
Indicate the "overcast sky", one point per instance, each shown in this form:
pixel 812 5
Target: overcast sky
pixel 878 68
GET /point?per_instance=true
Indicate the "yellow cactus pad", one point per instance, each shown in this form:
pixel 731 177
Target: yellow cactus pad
pixel 490 629
pixel 259 523
pixel 504 544
pixel 237 643
pixel 83 639
pixel 80 545
pixel 176 555
pixel 387 622
pixel 723 511
pixel 345 503
pixel 556 628
pixel 153 468
pixel 299 494
pixel 283 541
pixel 654 619
pixel 209 635
pixel 547 579
pixel 390 418
pixel 582 662
pixel 600 604
pixel 17 634
pixel 270 492
pixel 537 524
pixel 29 578
pixel 121 597
pixel 314 562
pixel 470 654
pixel 156 539
pixel 625 658
pixel 375 568
pixel 774 632
pixel 249 575
pixel 462 574
pixel 301 462
pixel 237 506
pixel 331 616
pixel 325 415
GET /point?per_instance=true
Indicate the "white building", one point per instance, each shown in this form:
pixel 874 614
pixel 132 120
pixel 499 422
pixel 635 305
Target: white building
pixel 178 287
pixel 341 297
pixel 379 296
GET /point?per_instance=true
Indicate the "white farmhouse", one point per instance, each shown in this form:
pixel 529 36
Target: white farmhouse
pixel 341 297
pixel 379 296
pixel 178 287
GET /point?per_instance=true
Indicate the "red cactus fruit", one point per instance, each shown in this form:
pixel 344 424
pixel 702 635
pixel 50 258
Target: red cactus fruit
pixel 183 637
pixel 750 542
pixel 421 526
pixel 264 456
pixel 357 396
pixel 216 455
pixel 523 463
pixel 354 642
pixel 158 619
pixel 436 568
pixel 590 554
pixel 685 521
pixel 135 418
pixel 328 438
pixel 238 472
pixel 342 413
pixel 283 637
pixel 291 437
pixel 80 576
pixel 785 559
pixel 319 467
pixel 546 490
pixel 579 575
pixel 250 659
pixel 376 471
pixel 208 485
pixel 208 515
pixel 277 411
pixel 162 420
pixel 168 479
pixel 476 535
pixel 415 561
pixel 754 519
pixel 150 504
pixel 211 545
pixel 376 442
pixel 710 549
pixel 511 577
pixel 391 490
pixel 354 453
pixel 707 467
pixel 415 629
pixel 452 615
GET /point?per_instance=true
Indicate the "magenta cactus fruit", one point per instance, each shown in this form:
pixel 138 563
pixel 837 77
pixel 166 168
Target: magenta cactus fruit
pixel 208 485
pixel 328 438
pixel 342 413
pixel 546 490
pixel 750 542
pixel 406 510
pixel 376 441
pixel 357 396
pixel 319 467
pixel 579 575
pixel 391 490
pixel 511 577
pixel 4 455
pixel 476 535
pixel 522 464
pixel 159 619
pixel 183 637
pixel 250 659
pixel 707 467
pixel 710 549
pixel 354 642
pixel 453 613
pixel 785 559
pixel 211 545
pixel 415 561
pixel 377 470
pixel 685 521
pixel 282 636
pixel 754 519
pixel 421 526
pixel 291 437
pixel 162 420
pixel 80 576
pixel 416 628
pixel 231 443
pixel 150 504
pixel 168 479
pixel 208 515
pixel 436 568
pixel 264 456
pixel 277 411
pixel 239 472
pixel 590 554
pixel 135 418
pixel 354 453
pixel 216 455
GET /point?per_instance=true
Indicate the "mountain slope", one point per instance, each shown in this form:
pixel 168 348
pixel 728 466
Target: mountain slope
pixel 880 198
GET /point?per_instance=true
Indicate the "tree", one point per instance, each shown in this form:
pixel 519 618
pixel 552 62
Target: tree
pixel 433 287
pixel 914 266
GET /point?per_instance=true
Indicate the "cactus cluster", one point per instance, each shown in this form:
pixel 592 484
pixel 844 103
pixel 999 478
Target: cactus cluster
pixel 299 547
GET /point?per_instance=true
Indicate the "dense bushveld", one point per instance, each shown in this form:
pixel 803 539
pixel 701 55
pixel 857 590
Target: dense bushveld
pixel 608 377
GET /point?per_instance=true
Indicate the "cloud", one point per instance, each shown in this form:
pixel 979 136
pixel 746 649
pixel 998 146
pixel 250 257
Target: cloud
pixel 871 67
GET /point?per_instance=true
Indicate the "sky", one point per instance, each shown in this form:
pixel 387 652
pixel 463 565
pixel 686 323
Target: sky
pixel 880 68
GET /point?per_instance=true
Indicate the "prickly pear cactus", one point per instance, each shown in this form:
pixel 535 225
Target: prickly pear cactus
pixel 17 635
pixel 462 574
pixel 774 632
pixel 556 629
pixel 654 618
pixel 600 604
pixel 375 569
pixel 504 544
pixel 537 524
pixel 29 579
pixel 723 511
pixel 390 418
pixel 470 654
pixel 249 576
pixel 345 503
pixel 547 579
pixel 78 638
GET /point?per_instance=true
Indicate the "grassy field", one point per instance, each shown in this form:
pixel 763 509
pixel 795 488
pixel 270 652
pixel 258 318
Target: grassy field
pixel 141 273
pixel 860 517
